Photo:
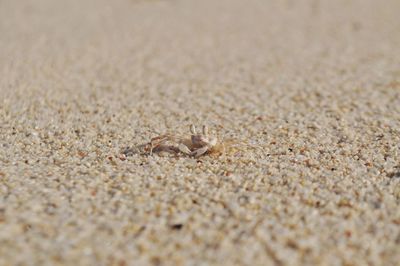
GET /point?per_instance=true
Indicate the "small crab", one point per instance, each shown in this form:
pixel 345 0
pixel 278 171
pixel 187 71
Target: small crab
pixel 197 145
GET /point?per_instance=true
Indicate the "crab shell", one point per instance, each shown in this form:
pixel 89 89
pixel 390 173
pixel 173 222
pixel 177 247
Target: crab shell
pixel 200 140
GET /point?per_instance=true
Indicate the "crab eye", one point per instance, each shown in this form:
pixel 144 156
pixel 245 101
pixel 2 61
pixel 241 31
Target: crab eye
pixel 193 129
pixel 205 130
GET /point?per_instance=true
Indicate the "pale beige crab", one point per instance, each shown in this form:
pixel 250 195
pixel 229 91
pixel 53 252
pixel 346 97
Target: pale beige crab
pixel 197 145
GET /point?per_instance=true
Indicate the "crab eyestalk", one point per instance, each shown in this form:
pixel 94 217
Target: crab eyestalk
pixel 205 130
pixel 193 129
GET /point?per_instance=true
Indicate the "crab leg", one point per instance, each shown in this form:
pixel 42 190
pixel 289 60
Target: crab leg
pixel 198 152
pixel 157 141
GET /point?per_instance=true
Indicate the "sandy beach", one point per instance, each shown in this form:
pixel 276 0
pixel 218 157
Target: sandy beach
pixel 303 95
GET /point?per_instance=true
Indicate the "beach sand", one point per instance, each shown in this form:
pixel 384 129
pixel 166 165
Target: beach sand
pixel 305 95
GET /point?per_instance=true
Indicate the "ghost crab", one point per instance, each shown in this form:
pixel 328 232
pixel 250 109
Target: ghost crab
pixel 197 145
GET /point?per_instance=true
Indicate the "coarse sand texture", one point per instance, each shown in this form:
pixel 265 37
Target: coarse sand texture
pixel 304 95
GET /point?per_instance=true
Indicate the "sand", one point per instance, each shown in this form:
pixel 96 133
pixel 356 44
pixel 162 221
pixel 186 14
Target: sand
pixel 305 95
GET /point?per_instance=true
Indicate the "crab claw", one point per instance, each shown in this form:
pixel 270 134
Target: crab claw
pixel 184 149
pixel 199 152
